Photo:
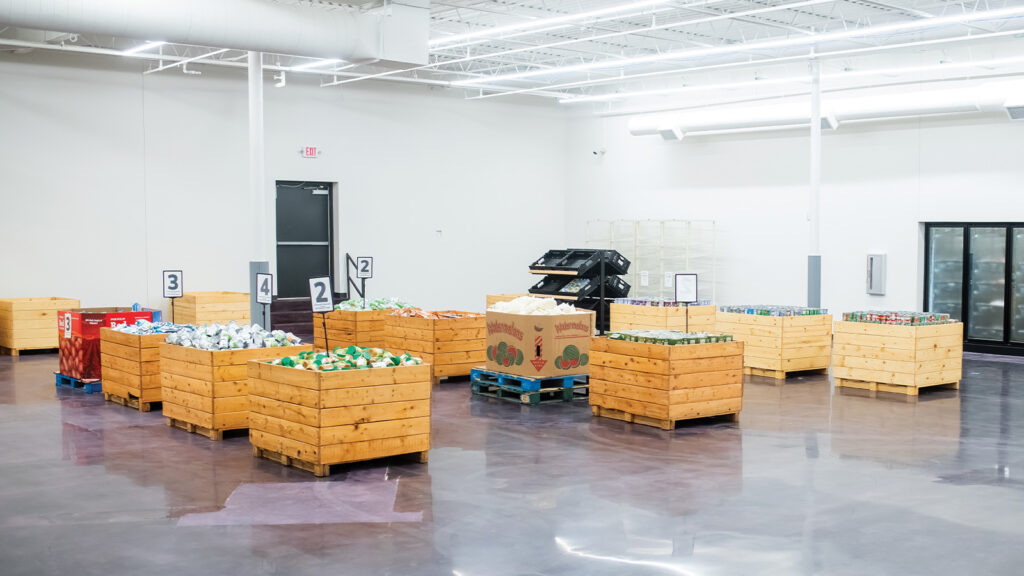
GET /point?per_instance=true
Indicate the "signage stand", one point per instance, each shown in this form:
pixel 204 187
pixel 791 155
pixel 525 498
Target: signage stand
pixel 322 300
pixel 686 292
pixel 174 287
pixel 364 270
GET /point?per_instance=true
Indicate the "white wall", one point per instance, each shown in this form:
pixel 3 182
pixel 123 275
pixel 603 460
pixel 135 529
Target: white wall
pixel 108 176
pixel 150 172
pixel 879 182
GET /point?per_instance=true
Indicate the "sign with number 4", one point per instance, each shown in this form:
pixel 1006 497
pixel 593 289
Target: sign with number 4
pixel 264 288
pixel 320 294
pixel 173 287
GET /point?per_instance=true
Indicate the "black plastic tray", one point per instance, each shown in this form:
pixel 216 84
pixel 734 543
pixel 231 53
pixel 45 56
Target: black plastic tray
pixel 615 287
pixel 581 261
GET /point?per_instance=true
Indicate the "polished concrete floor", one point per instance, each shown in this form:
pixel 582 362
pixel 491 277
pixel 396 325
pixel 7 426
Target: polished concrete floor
pixel 809 481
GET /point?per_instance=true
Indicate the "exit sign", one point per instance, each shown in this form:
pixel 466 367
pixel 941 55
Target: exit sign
pixel 311 152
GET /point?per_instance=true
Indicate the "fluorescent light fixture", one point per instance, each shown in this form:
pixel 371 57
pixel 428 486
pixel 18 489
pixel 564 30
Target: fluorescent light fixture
pixel 896 71
pixel 314 64
pixel 686 89
pixel 1003 13
pixel 543 22
pixel 143 47
pixel 988 97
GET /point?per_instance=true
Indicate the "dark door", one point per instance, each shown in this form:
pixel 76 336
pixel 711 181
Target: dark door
pixel 304 243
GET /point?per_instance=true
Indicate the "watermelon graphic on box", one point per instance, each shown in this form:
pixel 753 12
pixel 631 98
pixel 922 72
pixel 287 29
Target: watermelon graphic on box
pixel 539 346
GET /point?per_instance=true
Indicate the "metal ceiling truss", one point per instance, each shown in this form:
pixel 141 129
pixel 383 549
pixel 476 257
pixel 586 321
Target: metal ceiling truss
pixel 568 49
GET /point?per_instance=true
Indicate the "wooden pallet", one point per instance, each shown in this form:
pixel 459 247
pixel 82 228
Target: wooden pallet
pixel 130 402
pixel 319 470
pixel 647 420
pixel 215 435
pixel 17 351
pixel 528 390
pixel 781 374
pixel 542 396
pixel 88 385
pixel 893 388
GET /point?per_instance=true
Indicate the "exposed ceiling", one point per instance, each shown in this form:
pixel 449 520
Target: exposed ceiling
pixel 615 52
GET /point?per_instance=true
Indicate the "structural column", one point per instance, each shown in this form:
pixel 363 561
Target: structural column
pixel 259 199
pixel 814 196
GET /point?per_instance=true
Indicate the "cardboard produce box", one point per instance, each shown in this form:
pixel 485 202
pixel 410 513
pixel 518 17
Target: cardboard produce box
pixel 78 333
pixel 539 346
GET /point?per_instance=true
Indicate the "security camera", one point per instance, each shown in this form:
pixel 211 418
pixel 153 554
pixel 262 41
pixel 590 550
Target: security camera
pixel 598 152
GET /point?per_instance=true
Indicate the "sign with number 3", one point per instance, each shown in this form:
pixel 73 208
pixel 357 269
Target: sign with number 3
pixel 173 286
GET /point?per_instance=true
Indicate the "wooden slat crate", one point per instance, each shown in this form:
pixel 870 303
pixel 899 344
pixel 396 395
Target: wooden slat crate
pixel 212 307
pixel 453 346
pixel 902 359
pixel 350 328
pixel 31 323
pixel 778 345
pixel 207 391
pixel 493 299
pixel 313 420
pixel 659 385
pixel 634 317
pixel 130 367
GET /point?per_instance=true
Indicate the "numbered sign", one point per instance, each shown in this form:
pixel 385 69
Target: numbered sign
pixel 686 288
pixel 173 284
pixel 320 294
pixel 264 288
pixel 67 324
pixel 364 267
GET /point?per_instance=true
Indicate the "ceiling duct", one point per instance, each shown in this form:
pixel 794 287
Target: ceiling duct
pixel 396 33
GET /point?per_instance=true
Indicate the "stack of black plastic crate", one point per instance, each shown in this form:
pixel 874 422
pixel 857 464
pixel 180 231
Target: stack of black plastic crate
pixel 585 277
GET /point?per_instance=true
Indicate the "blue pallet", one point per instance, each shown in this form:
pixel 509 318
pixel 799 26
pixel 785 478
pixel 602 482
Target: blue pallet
pixel 522 383
pixel 89 385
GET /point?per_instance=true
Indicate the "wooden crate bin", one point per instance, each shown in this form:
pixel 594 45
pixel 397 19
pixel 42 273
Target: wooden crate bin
pixel 777 345
pixel 659 385
pixel 453 346
pixel 31 323
pixel 902 359
pixel 313 420
pixel 207 391
pixel 350 327
pixel 130 368
pixel 212 308
pixel 636 317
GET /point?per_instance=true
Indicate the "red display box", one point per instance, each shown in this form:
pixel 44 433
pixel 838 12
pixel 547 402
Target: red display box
pixel 78 331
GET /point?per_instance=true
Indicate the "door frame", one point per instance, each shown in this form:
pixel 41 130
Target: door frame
pixel 986 346
pixel 332 234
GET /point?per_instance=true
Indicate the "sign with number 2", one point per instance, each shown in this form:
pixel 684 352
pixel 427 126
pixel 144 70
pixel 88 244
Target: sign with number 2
pixel 320 294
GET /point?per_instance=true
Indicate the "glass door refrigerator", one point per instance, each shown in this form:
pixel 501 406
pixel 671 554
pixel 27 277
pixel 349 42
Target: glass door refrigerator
pixel 975 273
